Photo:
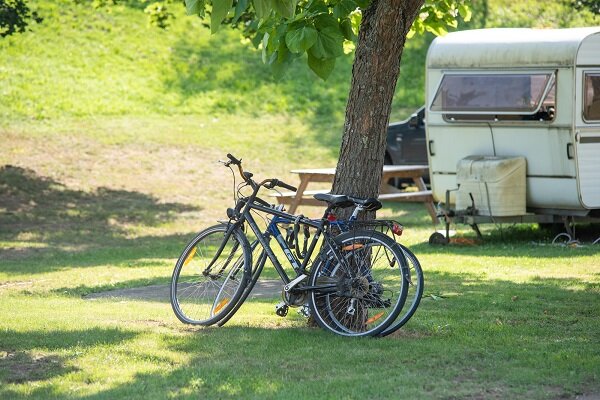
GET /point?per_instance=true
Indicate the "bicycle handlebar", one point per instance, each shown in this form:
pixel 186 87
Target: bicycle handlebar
pixel 286 186
pixel 271 183
pixel 247 177
pixel 234 160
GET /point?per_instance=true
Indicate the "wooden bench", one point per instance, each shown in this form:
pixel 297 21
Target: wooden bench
pixel 387 192
pixel 307 197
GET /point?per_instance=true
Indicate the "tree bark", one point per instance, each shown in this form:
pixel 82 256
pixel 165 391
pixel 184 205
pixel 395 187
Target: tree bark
pixel 385 24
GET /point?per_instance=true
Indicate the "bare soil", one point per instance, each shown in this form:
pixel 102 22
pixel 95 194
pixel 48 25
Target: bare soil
pixel 267 289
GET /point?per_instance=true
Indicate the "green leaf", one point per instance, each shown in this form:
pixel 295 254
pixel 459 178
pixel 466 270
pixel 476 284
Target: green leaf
pixel 363 3
pixel 257 39
pixel 317 7
pixel 301 39
pixel 285 8
pixel 325 20
pixel 220 8
pixel 346 29
pixel 329 44
pixel 356 19
pixel 281 64
pixel 263 8
pixel 276 37
pixel 240 7
pixel 194 7
pixel 321 67
pixel 465 12
pixel 437 28
pixel 343 8
pixel 265 42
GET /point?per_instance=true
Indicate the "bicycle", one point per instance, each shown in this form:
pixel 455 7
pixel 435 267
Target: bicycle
pixel 355 285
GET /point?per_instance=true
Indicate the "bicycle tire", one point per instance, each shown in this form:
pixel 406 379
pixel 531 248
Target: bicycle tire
pixel 205 285
pixel 416 284
pixel 256 271
pixel 368 289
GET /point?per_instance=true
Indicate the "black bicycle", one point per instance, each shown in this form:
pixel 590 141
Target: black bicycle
pixel 351 277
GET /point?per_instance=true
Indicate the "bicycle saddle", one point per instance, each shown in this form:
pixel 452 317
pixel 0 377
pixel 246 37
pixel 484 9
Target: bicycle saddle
pixel 343 201
pixel 335 200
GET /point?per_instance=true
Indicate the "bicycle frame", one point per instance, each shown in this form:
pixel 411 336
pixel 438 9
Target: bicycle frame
pixel 340 273
pixel 274 231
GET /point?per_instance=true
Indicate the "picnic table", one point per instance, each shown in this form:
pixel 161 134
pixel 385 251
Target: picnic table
pixel 387 191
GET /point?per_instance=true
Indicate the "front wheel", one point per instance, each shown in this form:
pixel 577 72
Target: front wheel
pixel 361 287
pixel 210 275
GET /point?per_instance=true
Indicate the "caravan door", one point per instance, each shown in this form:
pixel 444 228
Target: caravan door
pixel 587 136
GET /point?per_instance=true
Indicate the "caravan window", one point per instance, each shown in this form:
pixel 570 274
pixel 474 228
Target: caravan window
pixel 591 100
pixel 496 96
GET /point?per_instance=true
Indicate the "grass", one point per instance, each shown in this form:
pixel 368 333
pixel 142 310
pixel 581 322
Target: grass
pixel 514 317
pixel 108 167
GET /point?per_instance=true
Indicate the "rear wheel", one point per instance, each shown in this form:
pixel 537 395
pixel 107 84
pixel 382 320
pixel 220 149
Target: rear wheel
pixel 210 275
pixel 362 292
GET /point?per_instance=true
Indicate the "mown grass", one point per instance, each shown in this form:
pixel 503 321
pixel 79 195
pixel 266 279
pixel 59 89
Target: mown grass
pixel 109 137
pixel 514 317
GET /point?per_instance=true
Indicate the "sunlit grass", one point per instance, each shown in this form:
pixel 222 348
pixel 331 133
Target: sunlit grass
pixel 110 136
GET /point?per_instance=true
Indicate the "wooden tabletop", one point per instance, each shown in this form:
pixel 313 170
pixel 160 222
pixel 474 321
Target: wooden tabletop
pixel 395 171
pixel 387 191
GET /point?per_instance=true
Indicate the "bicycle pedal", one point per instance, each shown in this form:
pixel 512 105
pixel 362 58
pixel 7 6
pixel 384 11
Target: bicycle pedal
pixel 281 309
pixel 304 311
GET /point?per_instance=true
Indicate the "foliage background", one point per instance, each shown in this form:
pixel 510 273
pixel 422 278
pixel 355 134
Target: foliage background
pixel 83 61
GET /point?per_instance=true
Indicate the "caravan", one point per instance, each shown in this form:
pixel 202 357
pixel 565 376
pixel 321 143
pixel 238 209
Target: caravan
pixel 513 123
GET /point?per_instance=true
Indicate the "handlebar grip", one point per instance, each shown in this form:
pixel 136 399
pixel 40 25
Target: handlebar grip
pixel 233 160
pixel 286 186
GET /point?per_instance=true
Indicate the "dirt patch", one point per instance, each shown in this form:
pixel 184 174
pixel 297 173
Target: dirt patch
pixel 5 285
pixel 19 366
pixel 267 289
pixel 589 396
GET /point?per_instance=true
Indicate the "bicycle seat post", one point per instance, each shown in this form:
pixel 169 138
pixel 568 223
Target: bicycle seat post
pixel 354 215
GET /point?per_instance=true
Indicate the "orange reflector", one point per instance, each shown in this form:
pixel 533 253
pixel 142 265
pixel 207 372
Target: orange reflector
pixel 189 257
pixel 374 318
pixel 353 246
pixel 221 304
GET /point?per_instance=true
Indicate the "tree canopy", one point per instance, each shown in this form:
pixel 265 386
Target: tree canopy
pixel 324 30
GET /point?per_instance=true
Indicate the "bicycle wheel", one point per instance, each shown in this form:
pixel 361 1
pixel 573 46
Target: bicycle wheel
pixel 363 291
pixel 414 277
pixel 260 256
pixel 210 275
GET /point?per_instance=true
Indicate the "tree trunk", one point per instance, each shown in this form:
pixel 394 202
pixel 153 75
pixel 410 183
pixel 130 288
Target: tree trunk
pixel 381 39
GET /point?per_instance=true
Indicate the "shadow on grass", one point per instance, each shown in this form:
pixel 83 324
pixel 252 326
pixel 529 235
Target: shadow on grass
pixel 517 340
pixel 24 355
pixel 43 217
pixel 508 240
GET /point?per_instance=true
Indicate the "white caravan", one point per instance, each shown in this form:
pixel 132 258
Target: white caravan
pixel 513 111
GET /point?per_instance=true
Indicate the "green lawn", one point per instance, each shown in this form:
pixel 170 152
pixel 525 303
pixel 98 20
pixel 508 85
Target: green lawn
pixel 110 134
